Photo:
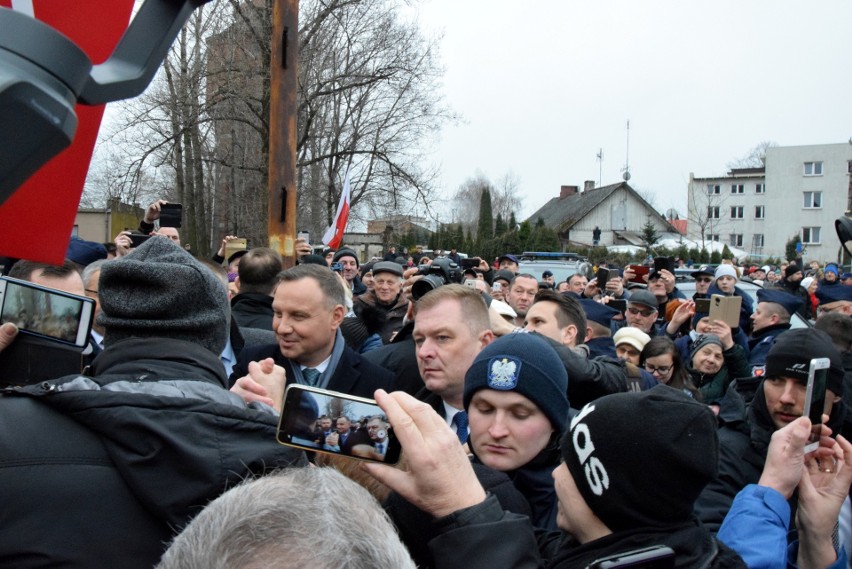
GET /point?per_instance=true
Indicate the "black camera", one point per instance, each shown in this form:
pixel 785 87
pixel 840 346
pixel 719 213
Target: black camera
pixel 442 271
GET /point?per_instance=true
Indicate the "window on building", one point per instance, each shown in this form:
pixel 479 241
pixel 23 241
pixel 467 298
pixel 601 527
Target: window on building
pixel 714 190
pixel 737 188
pixel 849 167
pixel 714 237
pixel 712 212
pixel 813 168
pixel 736 212
pixel 810 235
pixel 759 212
pixel 812 200
pixel 736 240
pixel 759 188
pixel 757 241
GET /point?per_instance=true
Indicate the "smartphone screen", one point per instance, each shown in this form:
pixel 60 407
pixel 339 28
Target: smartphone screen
pixel 497 287
pixel 171 214
pixel 815 398
pixel 603 277
pixel 336 423
pixel 45 312
pixel 304 235
pixel 618 304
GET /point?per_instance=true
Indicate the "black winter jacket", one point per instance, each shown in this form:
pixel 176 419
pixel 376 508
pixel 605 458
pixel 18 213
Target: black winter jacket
pixel 103 471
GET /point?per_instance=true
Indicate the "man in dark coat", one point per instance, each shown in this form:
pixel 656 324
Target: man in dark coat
pixel 746 429
pixel 309 307
pixel 257 275
pixel 113 465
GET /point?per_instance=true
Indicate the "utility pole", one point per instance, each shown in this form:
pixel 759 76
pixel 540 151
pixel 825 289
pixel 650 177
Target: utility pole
pixel 282 129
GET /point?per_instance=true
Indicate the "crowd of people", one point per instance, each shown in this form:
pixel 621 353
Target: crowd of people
pixel 542 423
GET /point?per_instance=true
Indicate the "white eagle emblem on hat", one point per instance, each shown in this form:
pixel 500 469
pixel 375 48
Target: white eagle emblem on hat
pixel 503 373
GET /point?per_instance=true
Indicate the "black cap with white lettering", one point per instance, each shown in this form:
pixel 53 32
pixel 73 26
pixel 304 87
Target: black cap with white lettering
pixel 791 354
pixel 640 460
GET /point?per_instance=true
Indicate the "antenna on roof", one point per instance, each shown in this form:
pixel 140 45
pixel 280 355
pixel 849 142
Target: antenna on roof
pixel 626 168
pixel 599 157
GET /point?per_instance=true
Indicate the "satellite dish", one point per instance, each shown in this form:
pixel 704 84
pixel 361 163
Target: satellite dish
pixel 672 214
pixel 626 176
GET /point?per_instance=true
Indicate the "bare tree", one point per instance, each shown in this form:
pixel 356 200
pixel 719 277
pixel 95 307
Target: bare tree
pixel 755 158
pixel 505 199
pixel 705 211
pixel 369 99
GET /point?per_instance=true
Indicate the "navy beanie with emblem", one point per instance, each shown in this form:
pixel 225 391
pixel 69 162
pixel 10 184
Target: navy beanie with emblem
pixel 525 364
pixel 640 460
pixel 160 291
pixel 791 354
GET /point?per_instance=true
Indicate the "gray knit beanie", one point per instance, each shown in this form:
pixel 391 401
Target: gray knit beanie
pixel 160 291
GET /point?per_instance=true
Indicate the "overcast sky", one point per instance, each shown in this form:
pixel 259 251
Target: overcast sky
pixel 543 85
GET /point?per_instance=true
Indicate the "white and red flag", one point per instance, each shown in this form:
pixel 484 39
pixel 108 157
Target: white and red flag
pixel 333 237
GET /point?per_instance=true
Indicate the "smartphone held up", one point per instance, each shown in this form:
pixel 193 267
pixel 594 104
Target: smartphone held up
pixel 45 312
pixel 815 398
pixel 336 423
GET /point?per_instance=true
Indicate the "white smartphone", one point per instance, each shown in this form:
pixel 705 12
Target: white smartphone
pixel 45 312
pixel 815 398
pixel 304 235
pixel 497 287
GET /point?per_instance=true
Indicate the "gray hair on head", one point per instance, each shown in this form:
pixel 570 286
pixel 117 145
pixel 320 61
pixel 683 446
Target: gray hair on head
pixel 300 517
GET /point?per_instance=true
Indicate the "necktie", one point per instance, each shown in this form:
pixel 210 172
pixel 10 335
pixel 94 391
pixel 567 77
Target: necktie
pixel 460 421
pixel 311 376
pixel 380 448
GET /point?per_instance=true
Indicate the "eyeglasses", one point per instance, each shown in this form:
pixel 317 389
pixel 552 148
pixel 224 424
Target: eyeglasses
pixel 704 280
pixel 646 313
pixel 662 370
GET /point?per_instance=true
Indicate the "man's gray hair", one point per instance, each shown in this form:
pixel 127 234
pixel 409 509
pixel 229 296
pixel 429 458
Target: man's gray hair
pixel 91 269
pixel 300 517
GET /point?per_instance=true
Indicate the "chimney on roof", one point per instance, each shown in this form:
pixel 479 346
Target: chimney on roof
pixel 588 185
pixel 567 191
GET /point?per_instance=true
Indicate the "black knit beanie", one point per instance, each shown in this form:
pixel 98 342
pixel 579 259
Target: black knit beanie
pixel 791 354
pixel 642 459
pixel 346 253
pixel 525 364
pixel 160 291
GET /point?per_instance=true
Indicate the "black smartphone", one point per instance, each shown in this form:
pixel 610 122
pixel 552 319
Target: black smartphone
pixel 171 214
pixel 45 312
pixel 654 557
pixel 137 239
pixel 667 263
pixel 815 398
pixel 603 277
pixel 470 263
pixel 336 423
pixel 702 305
pixel 618 304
